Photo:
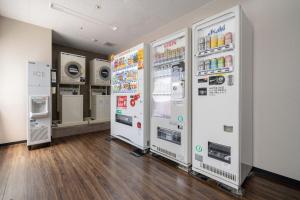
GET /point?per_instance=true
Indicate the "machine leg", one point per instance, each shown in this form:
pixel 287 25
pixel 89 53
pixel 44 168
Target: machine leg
pixel 184 168
pixel 198 176
pixel 139 152
pixel 236 192
pixel 109 138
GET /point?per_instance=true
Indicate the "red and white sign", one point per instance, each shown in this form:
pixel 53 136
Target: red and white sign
pixel 122 102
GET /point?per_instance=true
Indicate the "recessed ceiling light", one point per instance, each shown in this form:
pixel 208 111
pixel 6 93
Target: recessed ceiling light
pixel 99 4
pixel 114 28
pixel 81 28
pixel 109 44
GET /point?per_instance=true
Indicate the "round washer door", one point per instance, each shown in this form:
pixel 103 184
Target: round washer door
pixel 73 69
pixel 104 73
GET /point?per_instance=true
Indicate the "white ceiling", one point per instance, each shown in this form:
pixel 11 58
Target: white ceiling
pixel 134 18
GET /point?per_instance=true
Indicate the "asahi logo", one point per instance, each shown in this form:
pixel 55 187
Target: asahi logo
pixel 218 30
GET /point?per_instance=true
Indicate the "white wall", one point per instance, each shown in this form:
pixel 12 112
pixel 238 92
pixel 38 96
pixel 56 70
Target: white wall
pixel 19 43
pixel 276 77
pixel 276 85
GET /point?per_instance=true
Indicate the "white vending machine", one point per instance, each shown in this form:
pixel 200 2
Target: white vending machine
pixel 130 97
pixel 100 75
pixel 222 144
pixel 170 72
pixel 39 116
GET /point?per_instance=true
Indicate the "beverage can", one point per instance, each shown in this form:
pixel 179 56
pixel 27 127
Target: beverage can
pixel 201 65
pixel 213 63
pixel 182 52
pixel 214 41
pixel 228 61
pixel 221 40
pixel 201 44
pixel 228 38
pixel 207 42
pixel 173 53
pixel 207 64
pixel 167 54
pixel 221 61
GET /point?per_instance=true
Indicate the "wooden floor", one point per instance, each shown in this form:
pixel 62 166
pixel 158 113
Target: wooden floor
pixel 89 167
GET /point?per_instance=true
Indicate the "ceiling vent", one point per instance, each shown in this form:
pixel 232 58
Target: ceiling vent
pixel 109 44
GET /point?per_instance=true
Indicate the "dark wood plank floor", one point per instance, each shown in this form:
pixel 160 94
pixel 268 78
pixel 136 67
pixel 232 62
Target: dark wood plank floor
pixel 89 167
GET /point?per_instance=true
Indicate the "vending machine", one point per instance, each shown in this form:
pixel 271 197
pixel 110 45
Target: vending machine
pixel 130 98
pixel 170 71
pixel 222 144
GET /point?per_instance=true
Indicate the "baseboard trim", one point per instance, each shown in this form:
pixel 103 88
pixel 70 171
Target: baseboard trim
pixel 277 178
pixel 12 143
pixel 58 132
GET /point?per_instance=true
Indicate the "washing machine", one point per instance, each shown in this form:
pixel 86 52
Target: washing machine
pixel 99 72
pixel 70 107
pixel 71 69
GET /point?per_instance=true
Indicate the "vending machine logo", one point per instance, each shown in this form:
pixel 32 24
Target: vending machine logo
pixel 170 43
pixel 133 99
pixel 122 102
pixel 217 30
pixel 198 148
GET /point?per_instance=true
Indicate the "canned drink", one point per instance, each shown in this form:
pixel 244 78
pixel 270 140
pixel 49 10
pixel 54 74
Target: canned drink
pixel 221 62
pixel 228 38
pixel 213 63
pixel 221 40
pixel 178 52
pixel 201 44
pixel 206 64
pixel 173 54
pixel 182 51
pixel 228 61
pixel 158 57
pixel 167 54
pixel 207 42
pixel 214 41
pixel 201 65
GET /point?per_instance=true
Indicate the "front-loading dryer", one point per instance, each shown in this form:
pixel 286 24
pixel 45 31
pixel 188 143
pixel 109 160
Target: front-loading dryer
pixel 71 69
pixel 99 72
